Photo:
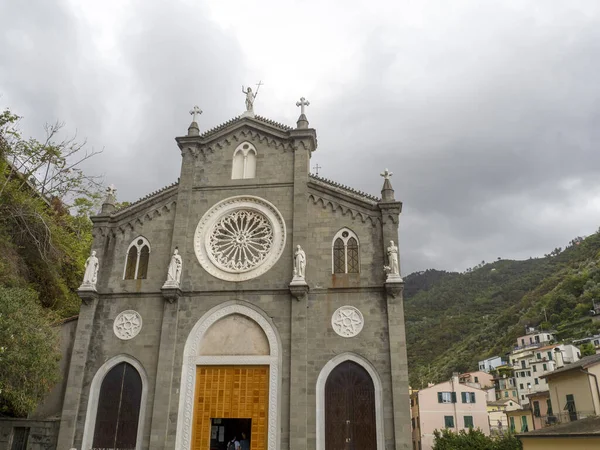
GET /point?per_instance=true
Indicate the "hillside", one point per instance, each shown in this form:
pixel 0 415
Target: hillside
pixel 453 320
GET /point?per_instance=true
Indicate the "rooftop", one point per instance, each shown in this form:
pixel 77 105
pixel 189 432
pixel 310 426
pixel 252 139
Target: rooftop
pixel 589 426
pixel 583 362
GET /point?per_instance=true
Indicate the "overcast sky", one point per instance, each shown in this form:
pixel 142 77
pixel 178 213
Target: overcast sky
pixel 487 112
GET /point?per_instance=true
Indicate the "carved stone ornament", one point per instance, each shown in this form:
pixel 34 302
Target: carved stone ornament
pixel 347 321
pixel 240 238
pixel 127 325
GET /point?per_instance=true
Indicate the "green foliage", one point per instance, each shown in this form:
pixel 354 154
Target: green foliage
pixel 453 320
pixel 29 353
pixel 587 349
pixel 473 439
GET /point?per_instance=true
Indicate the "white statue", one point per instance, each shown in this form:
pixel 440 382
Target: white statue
pixel 91 272
pixel 174 271
pixel 393 268
pixel 299 263
pixel 250 96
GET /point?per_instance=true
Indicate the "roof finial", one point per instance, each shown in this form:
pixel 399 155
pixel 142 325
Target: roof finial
pixel 108 206
pixel 387 192
pixel 193 129
pixel 250 96
pixel 302 120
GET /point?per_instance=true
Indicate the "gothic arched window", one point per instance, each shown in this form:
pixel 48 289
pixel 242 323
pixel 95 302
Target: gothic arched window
pixel 345 252
pixel 136 262
pixel 350 408
pixel 118 410
pixel 244 162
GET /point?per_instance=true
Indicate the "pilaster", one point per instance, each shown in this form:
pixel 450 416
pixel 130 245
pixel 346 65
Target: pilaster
pixel 73 393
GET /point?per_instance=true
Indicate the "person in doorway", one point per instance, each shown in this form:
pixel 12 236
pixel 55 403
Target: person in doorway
pixel 233 444
pixel 244 442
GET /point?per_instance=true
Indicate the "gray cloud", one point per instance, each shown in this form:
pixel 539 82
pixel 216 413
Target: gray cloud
pixel 488 118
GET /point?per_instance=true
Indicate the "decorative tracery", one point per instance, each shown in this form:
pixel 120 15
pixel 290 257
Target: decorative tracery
pixel 241 240
pixel 136 262
pixel 345 252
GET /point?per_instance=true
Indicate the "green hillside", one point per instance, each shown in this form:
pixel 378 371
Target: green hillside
pixel 453 320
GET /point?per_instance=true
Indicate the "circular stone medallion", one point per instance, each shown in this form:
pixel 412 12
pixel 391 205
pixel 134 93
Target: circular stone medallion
pixel 347 321
pixel 240 238
pixel 127 325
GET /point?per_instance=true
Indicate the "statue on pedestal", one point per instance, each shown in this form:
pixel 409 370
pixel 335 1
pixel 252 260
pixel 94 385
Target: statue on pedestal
pixel 90 277
pixel 393 267
pixel 299 263
pixel 174 270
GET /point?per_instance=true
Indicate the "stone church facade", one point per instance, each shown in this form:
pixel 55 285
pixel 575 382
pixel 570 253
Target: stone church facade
pixel 241 339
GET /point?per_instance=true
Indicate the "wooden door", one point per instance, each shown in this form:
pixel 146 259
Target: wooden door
pixel 350 409
pixel 230 392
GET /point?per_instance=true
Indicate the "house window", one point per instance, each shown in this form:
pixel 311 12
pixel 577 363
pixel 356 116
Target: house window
pixel 517 374
pixel 536 409
pixel 530 340
pixel 549 406
pixel 413 423
pixel 596 342
pixel 522 341
pixel 19 438
pixel 522 364
pixel 538 355
pixel 446 397
pixel 524 426
pixel 521 386
pixel 550 356
pixel 345 252
pixel 537 339
pixel 449 421
pixel 514 393
pixel 476 379
pixel 244 162
pixel 536 380
pixel 570 406
pixel 467 397
pixel 136 261
pixel 534 368
pixel 505 393
pixel 468 421
pixel 545 367
pixel 512 424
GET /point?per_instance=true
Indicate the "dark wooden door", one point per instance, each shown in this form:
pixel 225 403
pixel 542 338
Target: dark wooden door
pixel 350 409
pixel 118 409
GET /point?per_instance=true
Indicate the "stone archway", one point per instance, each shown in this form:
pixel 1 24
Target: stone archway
pixel 199 353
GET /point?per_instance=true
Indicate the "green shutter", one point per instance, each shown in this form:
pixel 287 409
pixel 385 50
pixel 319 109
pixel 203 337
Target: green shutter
pixel 468 421
pixel 440 400
pixel 449 421
pixel 472 397
pixel 454 397
pixel 463 397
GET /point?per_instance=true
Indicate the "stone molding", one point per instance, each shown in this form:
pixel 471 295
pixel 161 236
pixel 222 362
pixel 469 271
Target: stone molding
pixel 334 206
pixel 88 296
pixel 94 393
pixel 130 225
pixel 299 290
pixel 394 289
pixel 320 394
pixel 191 359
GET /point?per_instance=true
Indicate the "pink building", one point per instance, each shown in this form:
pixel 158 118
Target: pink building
pixel 452 405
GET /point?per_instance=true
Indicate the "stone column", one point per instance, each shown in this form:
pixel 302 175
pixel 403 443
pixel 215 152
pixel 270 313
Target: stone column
pixel 304 143
pixel 73 393
pixel 164 372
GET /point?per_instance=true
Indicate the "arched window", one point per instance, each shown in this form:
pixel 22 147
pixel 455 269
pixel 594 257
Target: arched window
pixel 350 408
pixel 244 162
pixel 118 408
pixel 136 262
pixel 345 254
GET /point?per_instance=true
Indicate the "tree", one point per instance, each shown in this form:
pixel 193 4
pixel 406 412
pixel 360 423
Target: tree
pixel 29 353
pixel 474 439
pixel 587 349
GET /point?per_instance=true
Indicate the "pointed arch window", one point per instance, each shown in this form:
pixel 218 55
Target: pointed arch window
pixel 244 162
pixel 137 259
pixel 345 252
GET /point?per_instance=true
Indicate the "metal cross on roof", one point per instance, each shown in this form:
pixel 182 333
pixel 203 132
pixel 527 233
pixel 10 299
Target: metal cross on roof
pixel 195 112
pixel 302 103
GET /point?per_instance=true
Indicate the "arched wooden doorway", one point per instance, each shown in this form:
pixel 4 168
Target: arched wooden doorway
pixel 350 409
pixel 118 410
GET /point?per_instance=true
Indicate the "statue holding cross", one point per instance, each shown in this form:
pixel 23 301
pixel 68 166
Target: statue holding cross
pixel 250 96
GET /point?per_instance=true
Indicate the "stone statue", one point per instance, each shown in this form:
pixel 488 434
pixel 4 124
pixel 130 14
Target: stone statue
pixel 393 267
pixel 250 96
pixel 174 271
pixel 91 272
pixel 299 263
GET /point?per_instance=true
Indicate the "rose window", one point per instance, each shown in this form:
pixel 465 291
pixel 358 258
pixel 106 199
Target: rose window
pixel 241 240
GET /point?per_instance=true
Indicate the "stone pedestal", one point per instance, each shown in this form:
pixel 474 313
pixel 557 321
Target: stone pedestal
pixel 298 288
pixel 87 293
pixel 171 292
pixel 394 286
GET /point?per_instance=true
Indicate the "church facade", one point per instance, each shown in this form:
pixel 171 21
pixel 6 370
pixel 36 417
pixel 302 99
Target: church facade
pixel 247 302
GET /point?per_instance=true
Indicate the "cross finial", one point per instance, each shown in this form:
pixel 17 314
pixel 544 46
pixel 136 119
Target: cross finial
pixel 195 111
pixel 386 174
pixel 111 190
pixel 317 167
pixel 302 103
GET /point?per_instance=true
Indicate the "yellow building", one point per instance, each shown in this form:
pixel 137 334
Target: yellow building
pixel 574 389
pixel 581 434
pixel 520 420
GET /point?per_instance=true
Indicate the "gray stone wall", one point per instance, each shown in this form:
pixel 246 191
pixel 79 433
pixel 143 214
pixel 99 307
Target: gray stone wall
pixel 42 433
